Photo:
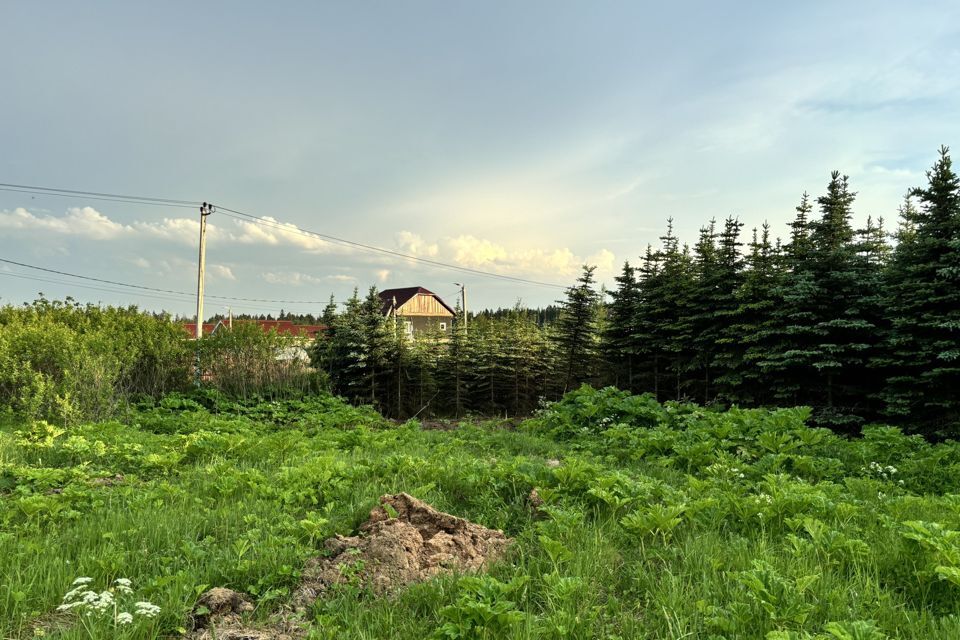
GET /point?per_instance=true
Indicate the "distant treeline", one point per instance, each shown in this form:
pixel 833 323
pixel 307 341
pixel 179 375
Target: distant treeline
pixel 858 324
pixel 544 316
pixel 840 319
pixel 295 318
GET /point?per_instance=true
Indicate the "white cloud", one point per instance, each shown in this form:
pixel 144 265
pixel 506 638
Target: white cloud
pixel 474 252
pixel 220 271
pixel 484 254
pixel 555 264
pixel 409 242
pixel 78 221
pixel 181 230
pixel 293 278
pixel 279 233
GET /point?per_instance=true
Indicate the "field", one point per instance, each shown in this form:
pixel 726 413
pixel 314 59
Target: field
pixel 659 521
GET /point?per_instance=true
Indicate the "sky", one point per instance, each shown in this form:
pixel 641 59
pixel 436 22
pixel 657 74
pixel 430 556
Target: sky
pixel 522 139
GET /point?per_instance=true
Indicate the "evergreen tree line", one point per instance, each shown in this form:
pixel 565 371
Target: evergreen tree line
pixel 502 365
pixel 836 318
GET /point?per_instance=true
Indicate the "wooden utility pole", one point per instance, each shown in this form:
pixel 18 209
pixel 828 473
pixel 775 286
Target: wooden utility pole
pixel 205 210
pixel 463 303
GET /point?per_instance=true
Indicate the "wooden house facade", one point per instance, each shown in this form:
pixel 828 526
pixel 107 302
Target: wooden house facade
pixel 418 310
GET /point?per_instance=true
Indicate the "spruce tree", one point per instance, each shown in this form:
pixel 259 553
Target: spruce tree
pixel 846 325
pixel 669 296
pixel 576 331
pixel 923 308
pixel 619 338
pixel 647 342
pixel 719 274
pixel 747 338
pixel 793 336
pixel 453 367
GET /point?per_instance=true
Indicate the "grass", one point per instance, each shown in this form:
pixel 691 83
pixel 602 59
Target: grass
pixel 660 522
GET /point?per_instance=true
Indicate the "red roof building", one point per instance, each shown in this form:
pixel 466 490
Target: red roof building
pixel 282 327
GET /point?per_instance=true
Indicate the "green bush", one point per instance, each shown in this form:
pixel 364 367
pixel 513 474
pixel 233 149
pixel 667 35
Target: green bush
pixel 66 362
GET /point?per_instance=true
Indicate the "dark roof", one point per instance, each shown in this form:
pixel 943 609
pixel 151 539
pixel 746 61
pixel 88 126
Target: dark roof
pixel 404 294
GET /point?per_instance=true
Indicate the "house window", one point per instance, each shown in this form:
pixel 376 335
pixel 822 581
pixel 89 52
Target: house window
pixel 408 326
pixel 443 326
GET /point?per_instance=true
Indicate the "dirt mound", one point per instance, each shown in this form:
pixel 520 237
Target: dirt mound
pixel 219 604
pixel 218 616
pixel 404 541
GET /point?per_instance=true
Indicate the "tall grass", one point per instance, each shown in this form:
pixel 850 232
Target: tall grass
pixel 659 522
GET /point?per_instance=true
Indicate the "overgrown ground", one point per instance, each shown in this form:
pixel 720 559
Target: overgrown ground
pixel 659 521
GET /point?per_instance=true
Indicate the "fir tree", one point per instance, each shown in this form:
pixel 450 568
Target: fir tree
pixel 669 297
pixel 720 272
pixel 793 336
pixel 619 338
pixel 576 330
pixel 747 338
pixel 923 307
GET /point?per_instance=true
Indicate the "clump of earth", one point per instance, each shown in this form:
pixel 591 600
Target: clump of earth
pixel 404 541
pixel 218 615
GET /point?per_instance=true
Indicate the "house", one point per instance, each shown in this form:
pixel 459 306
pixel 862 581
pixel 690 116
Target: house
pixel 306 332
pixel 418 309
pixel 208 328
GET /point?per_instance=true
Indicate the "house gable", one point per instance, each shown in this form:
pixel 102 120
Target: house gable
pixel 415 301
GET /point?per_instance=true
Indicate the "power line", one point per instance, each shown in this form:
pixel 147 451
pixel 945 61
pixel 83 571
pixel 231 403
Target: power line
pixel 156 296
pixel 123 200
pixel 53 190
pixel 287 227
pixel 290 228
pixel 146 288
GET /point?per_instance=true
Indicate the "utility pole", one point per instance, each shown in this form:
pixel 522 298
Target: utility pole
pixel 205 210
pixel 463 303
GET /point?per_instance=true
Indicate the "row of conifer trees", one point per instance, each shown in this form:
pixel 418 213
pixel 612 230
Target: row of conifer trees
pixel 859 324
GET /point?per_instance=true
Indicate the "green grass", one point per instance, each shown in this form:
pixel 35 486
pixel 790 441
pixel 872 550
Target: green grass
pixel 661 522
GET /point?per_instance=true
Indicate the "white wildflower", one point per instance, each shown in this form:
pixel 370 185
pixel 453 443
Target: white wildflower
pixel 147 609
pixel 124 618
pixel 80 581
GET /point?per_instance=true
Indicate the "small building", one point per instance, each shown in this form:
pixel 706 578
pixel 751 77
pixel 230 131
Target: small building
pixel 305 332
pixel 418 309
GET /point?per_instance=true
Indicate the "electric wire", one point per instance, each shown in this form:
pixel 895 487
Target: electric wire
pixel 287 227
pixel 156 296
pixel 290 228
pixel 123 200
pixel 33 188
pixel 156 289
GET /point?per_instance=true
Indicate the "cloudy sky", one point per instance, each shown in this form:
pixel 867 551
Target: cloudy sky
pixel 521 138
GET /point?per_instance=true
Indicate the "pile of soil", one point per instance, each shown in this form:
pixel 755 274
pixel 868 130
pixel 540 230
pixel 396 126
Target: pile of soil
pixel 218 616
pixel 405 540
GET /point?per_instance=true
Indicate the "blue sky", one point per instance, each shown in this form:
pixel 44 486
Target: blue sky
pixel 520 138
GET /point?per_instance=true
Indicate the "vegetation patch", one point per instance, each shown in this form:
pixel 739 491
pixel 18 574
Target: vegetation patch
pixel 404 541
